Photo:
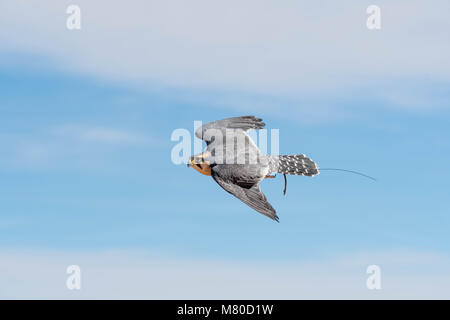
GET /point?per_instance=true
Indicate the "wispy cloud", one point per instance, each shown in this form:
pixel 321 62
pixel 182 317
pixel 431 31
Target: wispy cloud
pixel 98 134
pixel 136 274
pixel 69 145
pixel 288 50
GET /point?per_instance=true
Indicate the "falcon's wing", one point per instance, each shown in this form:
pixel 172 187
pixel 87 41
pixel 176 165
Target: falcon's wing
pixel 252 196
pixel 245 123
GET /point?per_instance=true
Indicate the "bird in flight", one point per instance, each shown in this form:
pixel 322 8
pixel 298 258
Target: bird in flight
pixel 234 161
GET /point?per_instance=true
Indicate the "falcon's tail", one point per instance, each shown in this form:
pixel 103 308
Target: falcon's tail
pixel 296 164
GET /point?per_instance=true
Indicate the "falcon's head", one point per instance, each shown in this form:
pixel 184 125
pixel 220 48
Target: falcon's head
pixel 199 163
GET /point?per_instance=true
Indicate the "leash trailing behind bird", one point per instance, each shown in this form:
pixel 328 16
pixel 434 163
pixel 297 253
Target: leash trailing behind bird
pixel 334 169
pixel 242 179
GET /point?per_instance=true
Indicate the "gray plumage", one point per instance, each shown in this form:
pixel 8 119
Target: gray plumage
pixel 297 165
pixel 238 166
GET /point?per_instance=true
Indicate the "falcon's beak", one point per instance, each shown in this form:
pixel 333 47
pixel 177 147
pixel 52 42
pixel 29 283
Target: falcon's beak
pixel 198 163
pixel 192 161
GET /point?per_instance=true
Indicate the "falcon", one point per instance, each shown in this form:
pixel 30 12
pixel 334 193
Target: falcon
pixel 234 161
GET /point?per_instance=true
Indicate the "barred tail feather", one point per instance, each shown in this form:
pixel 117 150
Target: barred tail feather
pixel 295 164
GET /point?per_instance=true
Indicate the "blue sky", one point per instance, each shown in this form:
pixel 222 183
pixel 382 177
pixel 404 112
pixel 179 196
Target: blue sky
pixel 86 168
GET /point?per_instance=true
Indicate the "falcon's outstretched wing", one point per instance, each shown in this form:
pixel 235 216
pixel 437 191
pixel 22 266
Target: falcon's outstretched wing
pixel 245 123
pixel 252 196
